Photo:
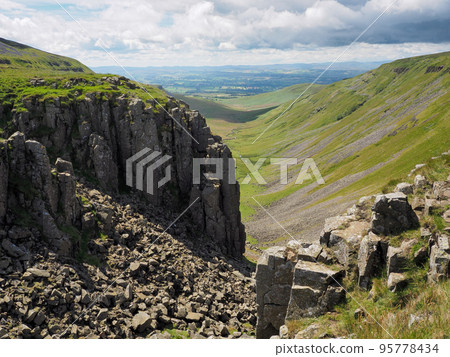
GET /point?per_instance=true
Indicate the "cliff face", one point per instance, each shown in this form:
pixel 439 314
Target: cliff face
pixel 98 134
pixel 133 276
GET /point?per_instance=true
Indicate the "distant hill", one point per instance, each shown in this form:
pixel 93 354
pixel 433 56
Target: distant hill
pixel 362 132
pixel 16 56
pixel 221 82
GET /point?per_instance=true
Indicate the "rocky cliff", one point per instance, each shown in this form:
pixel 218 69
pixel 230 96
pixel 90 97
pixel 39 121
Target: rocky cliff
pixel 96 259
pixel 98 132
pixel 78 263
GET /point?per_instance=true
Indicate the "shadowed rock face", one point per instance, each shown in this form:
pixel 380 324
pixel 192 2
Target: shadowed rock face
pixel 98 136
pixel 291 284
pixel 393 214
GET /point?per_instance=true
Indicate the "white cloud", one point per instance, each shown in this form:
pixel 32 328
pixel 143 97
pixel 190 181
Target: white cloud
pixel 224 31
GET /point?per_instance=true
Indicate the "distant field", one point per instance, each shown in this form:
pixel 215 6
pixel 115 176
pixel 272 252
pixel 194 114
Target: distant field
pixel 216 110
pixel 271 99
pixel 222 82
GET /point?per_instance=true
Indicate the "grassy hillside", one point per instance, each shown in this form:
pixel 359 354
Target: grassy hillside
pixel 19 57
pixel 225 115
pixel 362 132
pixel 28 72
pixel 216 110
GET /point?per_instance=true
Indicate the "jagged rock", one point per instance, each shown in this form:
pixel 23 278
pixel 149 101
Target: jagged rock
pixel 405 188
pixel 345 241
pixel 421 256
pixel 38 273
pixel 431 205
pixel 418 204
pixel 392 214
pixel 396 281
pixel 331 224
pixel 441 190
pixel 17 233
pixel 11 249
pixel 397 258
pixel 274 274
pixel 102 314
pixel 4 171
pixel 223 330
pixel 420 181
pixel 141 321
pixel 194 316
pixel 309 253
pixel 315 290
pixel 40 173
pixel 88 223
pixel 64 166
pixel 446 216
pixel 104 165
pixel 440 259
pixel 59 240
pixel 68 201
pixel 370 258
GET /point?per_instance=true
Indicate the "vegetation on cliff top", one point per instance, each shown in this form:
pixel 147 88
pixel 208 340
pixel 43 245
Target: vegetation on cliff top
pixel 27 73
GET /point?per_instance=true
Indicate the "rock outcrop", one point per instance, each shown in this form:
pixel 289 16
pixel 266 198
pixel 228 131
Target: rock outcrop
pixel 291 284
pixel 393 214
pixel 274 274
pixel 304 280
pixel 98 134
pixel 38 198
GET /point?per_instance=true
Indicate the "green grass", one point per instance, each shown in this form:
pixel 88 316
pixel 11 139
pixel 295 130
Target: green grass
pixel 64 79
pixel 177 334
pixel 411 107
pixel 269 100
pixel 217 111
pixel 14 55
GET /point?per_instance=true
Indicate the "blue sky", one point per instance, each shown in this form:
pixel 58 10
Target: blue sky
pixel 192 32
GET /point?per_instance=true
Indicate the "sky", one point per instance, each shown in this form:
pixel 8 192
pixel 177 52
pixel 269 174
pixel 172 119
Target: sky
pixel 221 32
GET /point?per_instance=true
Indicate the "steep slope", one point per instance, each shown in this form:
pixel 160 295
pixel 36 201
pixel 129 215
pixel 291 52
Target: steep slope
pixel 18 57
pixel 69 224
pixel 362 132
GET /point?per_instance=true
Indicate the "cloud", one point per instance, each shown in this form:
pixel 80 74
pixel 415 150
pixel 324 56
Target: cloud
pixel 222 29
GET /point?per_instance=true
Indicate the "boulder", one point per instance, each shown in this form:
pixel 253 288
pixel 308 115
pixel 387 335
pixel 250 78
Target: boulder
pixel 392 214
pixel 440 259
pixel 316 288
pixel 370 258
pixel 441 190
pixel 397 281
pixel 345 241
pixel 274 275
pixel 141 321
pixel 331 224
pixel 420 181
pixel 405 188
pixel 38 273
pixel 11 249
pixel 398 257
pixel 64 166
pixel 309 252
